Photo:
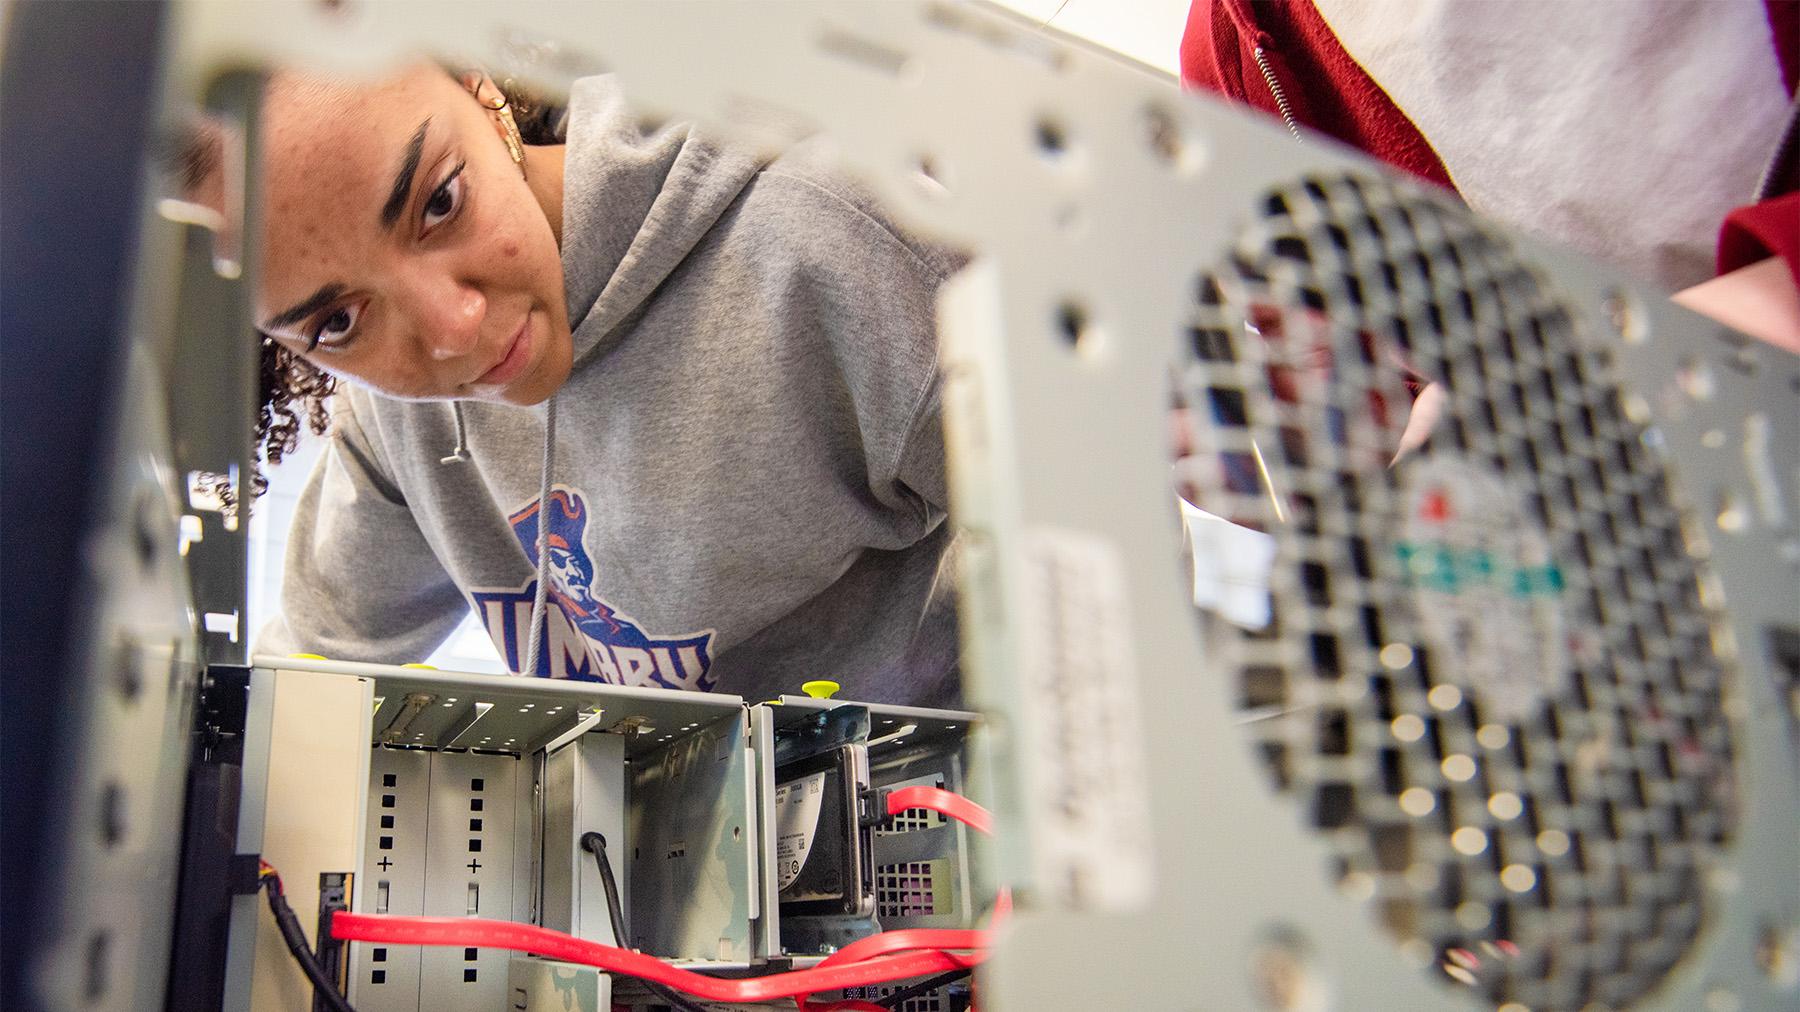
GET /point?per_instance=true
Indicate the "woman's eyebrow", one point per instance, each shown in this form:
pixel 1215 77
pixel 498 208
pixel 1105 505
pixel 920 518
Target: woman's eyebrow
pixel 403 180
pixel 312 304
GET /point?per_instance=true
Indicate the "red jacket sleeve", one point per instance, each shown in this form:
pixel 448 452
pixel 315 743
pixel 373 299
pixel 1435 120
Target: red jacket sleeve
pixel 1760 231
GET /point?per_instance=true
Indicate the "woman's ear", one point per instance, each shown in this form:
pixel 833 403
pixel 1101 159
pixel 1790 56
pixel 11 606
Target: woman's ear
pixel 481 86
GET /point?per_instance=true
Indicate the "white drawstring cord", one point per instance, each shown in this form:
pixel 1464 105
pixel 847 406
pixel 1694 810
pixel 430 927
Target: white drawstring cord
pixel 459 455
pixel 528 664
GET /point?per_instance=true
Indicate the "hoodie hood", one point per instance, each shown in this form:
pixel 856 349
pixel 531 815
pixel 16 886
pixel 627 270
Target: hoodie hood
pixel 741 484
pixel 635 204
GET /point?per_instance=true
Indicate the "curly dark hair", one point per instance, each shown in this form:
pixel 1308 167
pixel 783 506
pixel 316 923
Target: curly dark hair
pixel 291 390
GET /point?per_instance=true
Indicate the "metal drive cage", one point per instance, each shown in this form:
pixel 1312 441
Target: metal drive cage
pixel 1517 727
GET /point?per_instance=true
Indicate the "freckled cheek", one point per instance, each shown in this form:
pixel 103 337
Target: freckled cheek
pixel 510 248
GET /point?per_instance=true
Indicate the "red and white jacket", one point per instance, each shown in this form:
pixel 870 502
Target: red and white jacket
pixel 1645 133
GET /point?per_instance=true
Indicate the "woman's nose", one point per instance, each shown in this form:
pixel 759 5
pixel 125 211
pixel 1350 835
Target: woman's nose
pixel 450 321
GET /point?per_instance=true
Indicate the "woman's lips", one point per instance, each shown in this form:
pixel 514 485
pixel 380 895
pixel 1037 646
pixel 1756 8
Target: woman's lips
pixel 518 353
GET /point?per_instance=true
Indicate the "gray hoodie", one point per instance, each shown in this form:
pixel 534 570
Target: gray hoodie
pixel 749 481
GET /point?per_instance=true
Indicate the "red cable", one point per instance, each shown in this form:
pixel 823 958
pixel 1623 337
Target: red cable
pixel 887 943
pixel 944 803
pixel 480 932
pixel 888 956
pixel 953 806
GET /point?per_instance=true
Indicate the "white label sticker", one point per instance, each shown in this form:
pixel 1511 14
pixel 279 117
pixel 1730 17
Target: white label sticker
pixel 1088 807
pixel 1485 588
pixel 796 823
pixel 1231 566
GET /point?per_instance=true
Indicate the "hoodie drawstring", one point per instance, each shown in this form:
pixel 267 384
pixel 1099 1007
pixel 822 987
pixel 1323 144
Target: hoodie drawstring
pixel 543 546
pixel 459 455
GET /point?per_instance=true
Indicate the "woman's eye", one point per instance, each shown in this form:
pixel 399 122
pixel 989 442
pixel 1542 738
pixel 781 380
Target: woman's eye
pixel 444 200
pixel 334 330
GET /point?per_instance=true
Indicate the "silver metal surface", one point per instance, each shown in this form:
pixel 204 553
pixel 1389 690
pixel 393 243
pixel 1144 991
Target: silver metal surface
pixel 766 932
pixel 545 985
pixel 584 791
pixel 469 851
pixel 500 713
pixel 691 828
pixel 385 978
pixel 120 804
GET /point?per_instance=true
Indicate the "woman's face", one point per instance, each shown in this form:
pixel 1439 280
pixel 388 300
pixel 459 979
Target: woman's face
pixel 402 246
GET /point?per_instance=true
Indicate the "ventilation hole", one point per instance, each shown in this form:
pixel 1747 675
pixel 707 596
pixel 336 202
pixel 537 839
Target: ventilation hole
pixel 905 890
pixel 387 801
pixel 469 975
pixel 1333 805
pixel 471 953
pixel 1392 846
pixel 1324 650
pixel 389 780
pixel 1334 733
pixel 1316 580
pixel 387 822
pixel 378 976
pixel 474 846
pixel 378 955
pixel 387 843
pixel 1275 757
pixel 1211 344
pixel 1228 407
pixel 1393 772
pixel 1051 140
pixel 475 804
pixel 1264 686
pixel 1293 248
pixel 1241 473
pixel 476 784
pixel 474 825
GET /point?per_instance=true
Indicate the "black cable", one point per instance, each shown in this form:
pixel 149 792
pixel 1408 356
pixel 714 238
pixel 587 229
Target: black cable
pixel 896 999
pixel 289 925
pixel 596 844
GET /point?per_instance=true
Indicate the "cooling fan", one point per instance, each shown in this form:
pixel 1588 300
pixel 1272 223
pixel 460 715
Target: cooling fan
pixel 1491 671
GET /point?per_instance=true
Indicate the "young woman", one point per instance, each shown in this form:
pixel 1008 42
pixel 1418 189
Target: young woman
pixel 675 397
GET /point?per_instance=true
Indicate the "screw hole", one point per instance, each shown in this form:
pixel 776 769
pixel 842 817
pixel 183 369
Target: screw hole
pixel 1168 141
pixel 97 957
pixel 112 815
pixel 146 528
pixel 1071 323
pixel 1051 140
pixel 129 676
pixel 1695 378
pixel 1731 515
pixel 1626 318
pixel 931 176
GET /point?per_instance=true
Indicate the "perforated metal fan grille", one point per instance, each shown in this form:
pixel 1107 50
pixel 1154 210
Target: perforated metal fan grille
pixel 1488 679
pixel 933 1002
pixel 905 890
